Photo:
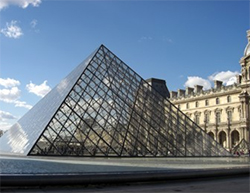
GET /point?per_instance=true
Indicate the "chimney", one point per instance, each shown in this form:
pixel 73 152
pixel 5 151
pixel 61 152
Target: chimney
pixel 189 90
pixel 217 84
pixel 198 88
pixel 173 94
pixel 181 93
pixel 238 79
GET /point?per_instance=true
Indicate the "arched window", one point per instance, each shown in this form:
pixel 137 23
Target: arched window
pixel 217 117
pixel 206 118
pixel 217 101
pixel 196 104
pixel 206 103
pixel 229 99
pixel 222 138
pixel 211 134
pixel 197 119
pixel 229 116
pixel 235 136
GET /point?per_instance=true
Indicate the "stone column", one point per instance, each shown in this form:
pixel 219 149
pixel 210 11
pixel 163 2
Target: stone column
pixel 228 139
pixel 245 113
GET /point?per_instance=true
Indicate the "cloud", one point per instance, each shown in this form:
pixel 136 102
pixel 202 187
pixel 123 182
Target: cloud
pixel 6 115
pixel 39 90
pixel 231 81
pixel 21 3
pixel 228 77
pixel 9 82
pixel 22 104
pixel 195 80
pixel 9 95
pixel 4 125
pixel 33 23
pixel 6 120
pixel 165 39
pixel 144 38
pixel 12 30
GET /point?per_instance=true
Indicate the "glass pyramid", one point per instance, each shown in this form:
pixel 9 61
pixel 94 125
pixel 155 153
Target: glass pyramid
pixel 104 108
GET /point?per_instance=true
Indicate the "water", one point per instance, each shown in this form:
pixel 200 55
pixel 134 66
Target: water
pixel 59 165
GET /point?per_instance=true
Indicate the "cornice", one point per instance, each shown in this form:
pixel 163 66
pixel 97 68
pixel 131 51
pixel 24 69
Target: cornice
pixel 225 90
pixel 230 105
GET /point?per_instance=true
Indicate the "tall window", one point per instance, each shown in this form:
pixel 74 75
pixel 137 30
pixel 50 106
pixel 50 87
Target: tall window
pixel 229 116
pixel 240 113
pixel 196 104
pixel 187 106
pixel 249 73
pixel 206 118
pixel 197 119
pixel 217 101
pixel 217 116
pixel 229 99
pixel 206 103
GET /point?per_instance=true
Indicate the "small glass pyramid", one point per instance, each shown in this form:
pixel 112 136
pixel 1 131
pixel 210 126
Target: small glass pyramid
pixel 103 108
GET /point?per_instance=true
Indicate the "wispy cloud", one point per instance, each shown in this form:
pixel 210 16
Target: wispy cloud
pixel 168 40
pixel 228 78
pixel 145 38
pixel 6 115
pixel 22 104
pixel 21 3
pixel 39 90
pixel 12 30
pixel 5 125
pixel 33 23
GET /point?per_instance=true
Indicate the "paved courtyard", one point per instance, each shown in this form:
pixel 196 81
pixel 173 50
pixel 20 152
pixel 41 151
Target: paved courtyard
pixel 239 185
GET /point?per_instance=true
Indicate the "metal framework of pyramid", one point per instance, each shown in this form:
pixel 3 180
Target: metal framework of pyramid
pixel 104 108
pixel 241 147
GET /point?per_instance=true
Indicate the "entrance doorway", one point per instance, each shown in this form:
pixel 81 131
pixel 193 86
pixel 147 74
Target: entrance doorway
pixel 235 136
pixel 211 134
pixel 222 138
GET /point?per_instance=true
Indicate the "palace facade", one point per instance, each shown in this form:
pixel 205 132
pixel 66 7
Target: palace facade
pixel 223 111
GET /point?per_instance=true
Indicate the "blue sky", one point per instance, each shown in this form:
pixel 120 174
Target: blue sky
pixel 183 42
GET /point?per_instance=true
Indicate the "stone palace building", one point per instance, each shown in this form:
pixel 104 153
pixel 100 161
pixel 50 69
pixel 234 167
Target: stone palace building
pixel 223 111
